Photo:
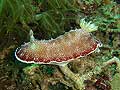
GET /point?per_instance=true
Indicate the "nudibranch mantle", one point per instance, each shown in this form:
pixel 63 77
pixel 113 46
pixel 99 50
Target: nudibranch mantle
pixel 65 48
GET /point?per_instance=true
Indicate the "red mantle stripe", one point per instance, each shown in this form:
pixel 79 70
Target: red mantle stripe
pixel 58 59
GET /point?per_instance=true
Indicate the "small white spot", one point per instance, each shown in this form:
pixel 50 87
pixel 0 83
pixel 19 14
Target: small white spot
pixel 69 43
pixel 92 49
pixel 34 58
pixel 21 54
pixel 53 44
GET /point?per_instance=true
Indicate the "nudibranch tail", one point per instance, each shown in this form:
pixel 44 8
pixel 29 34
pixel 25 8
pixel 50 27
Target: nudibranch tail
pixel 65 48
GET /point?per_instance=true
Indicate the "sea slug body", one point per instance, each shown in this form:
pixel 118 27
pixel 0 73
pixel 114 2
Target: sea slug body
pixel 65 48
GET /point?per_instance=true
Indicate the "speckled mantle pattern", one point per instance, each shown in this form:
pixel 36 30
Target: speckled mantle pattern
pixel 65 48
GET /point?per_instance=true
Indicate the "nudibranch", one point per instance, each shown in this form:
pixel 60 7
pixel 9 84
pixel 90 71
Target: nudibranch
pixel 65 48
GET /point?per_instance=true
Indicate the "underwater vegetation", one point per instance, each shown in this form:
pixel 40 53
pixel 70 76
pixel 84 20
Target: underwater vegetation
pixel 50 19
